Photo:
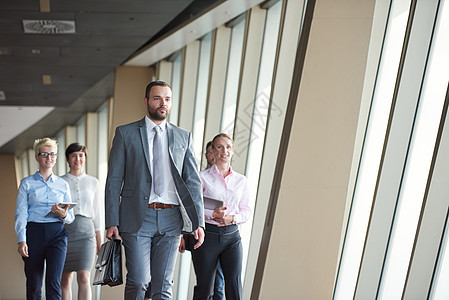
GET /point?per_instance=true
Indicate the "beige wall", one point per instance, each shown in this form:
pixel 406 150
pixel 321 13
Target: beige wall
pixel 12 283
pixel 304 247
pixel 129 91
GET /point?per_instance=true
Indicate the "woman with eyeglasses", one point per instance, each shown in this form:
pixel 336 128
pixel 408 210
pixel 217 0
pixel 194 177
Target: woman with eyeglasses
pixel 39 223
pixel 85 232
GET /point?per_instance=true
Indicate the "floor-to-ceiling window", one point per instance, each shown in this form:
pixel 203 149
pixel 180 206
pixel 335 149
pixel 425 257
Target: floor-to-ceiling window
pixel 201 95
pixel 103 148
pixel 440 288
pixel 23 158
pixel 60 168
pixel 176 86
pixel 252 45
pixel 375 134
pixel 81 131
pixel 382 246
pixel 419 158
pixel 259 110
pixel 232 76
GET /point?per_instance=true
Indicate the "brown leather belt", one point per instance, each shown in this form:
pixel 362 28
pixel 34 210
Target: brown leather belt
pixel 157 205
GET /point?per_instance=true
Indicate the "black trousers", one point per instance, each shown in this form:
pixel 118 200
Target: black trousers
pixel 47 242
pixel 221 244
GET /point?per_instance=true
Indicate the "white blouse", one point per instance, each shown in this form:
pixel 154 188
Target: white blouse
pixel 85 191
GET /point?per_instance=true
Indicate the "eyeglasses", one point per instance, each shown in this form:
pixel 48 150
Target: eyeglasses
pixel 47 154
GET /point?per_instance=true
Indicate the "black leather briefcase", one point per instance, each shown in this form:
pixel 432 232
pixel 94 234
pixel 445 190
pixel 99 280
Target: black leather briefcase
pixel 108 268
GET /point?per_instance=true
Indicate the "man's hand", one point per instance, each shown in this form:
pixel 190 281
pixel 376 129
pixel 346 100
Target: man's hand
pixel 112 231
pixel 99 240
pixel 182 245
pixel 199 236
pixel 23 249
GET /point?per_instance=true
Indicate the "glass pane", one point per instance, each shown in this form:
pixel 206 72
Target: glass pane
pixel 198 132
pixel 440 288
pixel 232 78
pixel 81 131
pixel 259 111
pixel 176 88
pixel 201 95
pixel 102 165
pixel 103 143
pixel 261 103
pixel 24 164
pixel 60 168
pixel 372 150
pixel 418 162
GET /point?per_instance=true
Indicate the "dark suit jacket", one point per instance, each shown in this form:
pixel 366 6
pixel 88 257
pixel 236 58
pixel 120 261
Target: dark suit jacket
pixel 128 184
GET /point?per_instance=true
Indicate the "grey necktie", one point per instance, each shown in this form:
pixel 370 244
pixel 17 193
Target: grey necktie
pixel 158 169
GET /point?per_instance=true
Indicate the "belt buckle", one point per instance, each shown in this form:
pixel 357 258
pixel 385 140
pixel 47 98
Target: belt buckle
pixel 156 206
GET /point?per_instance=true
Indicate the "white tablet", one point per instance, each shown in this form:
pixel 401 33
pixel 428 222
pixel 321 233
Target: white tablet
pixel 211 203
pixel 64 204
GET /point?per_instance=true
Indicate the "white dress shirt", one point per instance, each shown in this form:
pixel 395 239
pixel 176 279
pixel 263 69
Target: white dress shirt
pixel 170 196
pixel 85 192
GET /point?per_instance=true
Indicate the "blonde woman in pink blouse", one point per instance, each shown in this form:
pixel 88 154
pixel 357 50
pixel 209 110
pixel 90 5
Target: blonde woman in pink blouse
pixel 222 242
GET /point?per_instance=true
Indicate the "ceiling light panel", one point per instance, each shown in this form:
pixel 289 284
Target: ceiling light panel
pixel 49 26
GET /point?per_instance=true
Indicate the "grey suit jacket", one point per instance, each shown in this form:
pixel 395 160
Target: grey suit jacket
pixel 128 184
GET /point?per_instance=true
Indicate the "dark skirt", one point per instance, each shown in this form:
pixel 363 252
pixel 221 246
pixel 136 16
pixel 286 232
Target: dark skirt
pixel 81 246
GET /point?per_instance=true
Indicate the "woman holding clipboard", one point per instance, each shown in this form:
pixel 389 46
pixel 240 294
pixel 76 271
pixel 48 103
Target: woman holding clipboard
pixel 39 223
pixel 222 242
pixel 85 232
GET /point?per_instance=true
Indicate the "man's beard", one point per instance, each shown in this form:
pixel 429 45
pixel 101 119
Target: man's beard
pixel 155 115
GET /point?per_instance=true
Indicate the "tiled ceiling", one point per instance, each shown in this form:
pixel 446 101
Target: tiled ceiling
pixel 80 65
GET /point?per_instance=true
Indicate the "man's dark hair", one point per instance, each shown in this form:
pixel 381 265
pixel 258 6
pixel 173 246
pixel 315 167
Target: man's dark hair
pixel 208 144
pixel 155 83
pixel 75 147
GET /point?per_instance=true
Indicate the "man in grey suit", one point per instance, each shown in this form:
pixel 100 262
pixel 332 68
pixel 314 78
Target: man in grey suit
pixel 153 194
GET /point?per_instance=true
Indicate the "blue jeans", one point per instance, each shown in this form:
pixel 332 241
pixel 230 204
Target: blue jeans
pixel 219 283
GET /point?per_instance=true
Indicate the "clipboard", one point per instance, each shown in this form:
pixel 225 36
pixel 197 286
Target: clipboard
pixel 211 203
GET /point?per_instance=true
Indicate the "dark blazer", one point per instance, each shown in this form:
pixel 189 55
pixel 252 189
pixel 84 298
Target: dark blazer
pixel 128 184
